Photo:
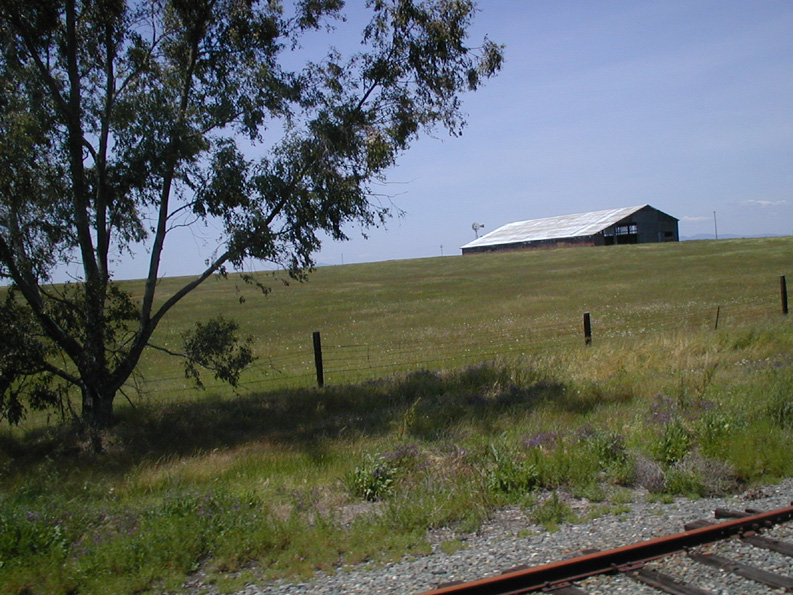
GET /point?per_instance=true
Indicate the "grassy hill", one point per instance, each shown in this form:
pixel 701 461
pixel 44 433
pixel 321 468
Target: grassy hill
pixel 397 316
pixel 455 386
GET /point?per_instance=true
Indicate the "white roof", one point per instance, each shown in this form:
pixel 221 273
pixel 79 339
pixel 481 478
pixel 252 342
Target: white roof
pixel 566 226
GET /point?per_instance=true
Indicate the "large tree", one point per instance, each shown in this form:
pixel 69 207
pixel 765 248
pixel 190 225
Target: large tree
pixel 122 120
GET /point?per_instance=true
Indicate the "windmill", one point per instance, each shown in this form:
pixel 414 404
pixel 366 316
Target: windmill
pixel 476 227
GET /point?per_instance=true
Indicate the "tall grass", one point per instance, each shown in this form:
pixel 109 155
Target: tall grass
pixel 285 482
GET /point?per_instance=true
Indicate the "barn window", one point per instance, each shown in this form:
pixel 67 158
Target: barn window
pixel 626 234
pixel 625 230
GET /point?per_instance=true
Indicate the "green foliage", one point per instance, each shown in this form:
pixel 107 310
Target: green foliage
pixel 673 443
pixel 780 406
pixel 34 534
pixel 760 450
pixel 512 472
pixel 552 512
pixel 372 479
pixel 684 482
pixel 550 460
pixel 715 428
pixel 23 362
pixel 214 345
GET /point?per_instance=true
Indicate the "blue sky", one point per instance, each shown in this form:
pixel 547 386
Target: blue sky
pixel 685 105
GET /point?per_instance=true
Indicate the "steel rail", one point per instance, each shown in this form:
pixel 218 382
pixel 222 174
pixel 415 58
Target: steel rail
pixel 625 558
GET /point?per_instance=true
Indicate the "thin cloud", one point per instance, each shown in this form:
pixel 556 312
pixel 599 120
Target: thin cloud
pixel 763 204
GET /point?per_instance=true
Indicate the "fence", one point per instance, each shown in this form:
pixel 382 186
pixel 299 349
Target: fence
pixel 321 360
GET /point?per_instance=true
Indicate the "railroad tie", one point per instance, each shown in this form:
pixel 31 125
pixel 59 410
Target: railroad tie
pixel 666 583
pixel 769 543
pixel 772 579
pixel 565 589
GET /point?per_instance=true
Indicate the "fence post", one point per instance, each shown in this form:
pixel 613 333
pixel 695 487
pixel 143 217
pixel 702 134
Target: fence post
pixel 783 291
pixel 718 310
pixel 318 360
pixel 587 330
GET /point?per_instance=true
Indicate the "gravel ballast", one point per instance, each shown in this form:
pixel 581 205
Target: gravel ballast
pixel 509 540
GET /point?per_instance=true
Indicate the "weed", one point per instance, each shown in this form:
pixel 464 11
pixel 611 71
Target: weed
pixel 673 443
pixel 511 472
pixel 552 513
pixel 620 509
pixel 31 534
pixel 408 420
pixel 660 498
pixel 372 479
pixel 714 427
pixel 684 482
pixel 451 546
pixel 620 497
pixel 780 407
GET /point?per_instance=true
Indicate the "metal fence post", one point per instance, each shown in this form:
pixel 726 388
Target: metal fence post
pixel 587 330
pixel 318 360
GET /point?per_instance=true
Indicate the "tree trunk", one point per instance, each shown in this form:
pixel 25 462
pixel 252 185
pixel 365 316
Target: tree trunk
pixel 97 410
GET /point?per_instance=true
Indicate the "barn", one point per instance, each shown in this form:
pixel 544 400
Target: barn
pixel 628 225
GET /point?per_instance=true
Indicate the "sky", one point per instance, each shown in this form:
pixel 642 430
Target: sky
pixel 686 105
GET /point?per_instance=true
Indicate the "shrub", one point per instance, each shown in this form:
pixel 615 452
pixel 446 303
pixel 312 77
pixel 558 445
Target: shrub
pixel 649 475
pixel 701 476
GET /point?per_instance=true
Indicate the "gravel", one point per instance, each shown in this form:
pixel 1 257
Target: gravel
pixel 509 540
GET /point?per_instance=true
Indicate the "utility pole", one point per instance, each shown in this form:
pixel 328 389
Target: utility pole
pixel 715 226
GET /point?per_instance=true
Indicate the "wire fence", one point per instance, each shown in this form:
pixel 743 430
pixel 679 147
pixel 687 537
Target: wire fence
pixel 343 363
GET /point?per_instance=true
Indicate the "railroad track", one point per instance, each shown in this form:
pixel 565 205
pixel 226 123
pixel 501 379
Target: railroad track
pixel 709 557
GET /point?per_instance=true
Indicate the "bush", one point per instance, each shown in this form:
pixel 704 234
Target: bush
pixel 701 476
pixel 649 475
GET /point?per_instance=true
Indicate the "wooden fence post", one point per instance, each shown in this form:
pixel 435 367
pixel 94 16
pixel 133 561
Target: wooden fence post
pixel 318 360
pixel 783 291
pixel 587 330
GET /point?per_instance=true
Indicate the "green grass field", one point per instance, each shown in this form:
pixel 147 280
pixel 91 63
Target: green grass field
pixel 380 318
pixel 455 386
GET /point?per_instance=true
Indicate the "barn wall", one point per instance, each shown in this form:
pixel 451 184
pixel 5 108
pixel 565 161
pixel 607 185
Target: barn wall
pixel 538 245
pixel 650 226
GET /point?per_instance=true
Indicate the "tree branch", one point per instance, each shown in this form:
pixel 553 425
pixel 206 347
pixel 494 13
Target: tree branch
pixel 44 72
pixel 162 219
pixel 102 228
pixel 30 292
pixel 75 143
pixel 71 379
pixel 166 350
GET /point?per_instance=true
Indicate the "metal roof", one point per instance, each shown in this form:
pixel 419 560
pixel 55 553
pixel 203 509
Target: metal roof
pixel 550 228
